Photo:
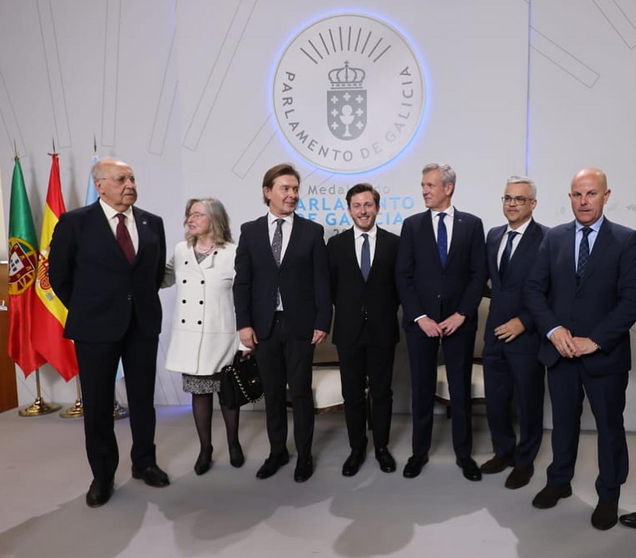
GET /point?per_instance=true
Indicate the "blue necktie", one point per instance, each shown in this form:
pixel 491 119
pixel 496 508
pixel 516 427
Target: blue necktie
pixel 442 239
pixel 505 257
pixel 365 257
pixel 584 253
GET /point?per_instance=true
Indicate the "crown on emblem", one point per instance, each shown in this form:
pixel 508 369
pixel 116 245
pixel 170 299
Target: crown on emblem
pixel 346 77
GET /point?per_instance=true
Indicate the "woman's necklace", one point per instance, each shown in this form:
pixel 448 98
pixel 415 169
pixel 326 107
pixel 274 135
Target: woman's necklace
pixel 202 250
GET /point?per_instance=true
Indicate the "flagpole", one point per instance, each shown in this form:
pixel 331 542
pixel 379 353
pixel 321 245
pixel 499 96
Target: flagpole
pixel 39 406
pixel 77 409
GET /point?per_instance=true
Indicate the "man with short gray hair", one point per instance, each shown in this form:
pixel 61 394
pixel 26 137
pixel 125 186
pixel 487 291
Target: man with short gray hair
pixel 511 340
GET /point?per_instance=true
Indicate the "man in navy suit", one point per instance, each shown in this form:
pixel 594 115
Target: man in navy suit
pixel 582 297
pixel 106 264
pixel 511 340
pixel 441 274
pixel 362 268
pixel 283 309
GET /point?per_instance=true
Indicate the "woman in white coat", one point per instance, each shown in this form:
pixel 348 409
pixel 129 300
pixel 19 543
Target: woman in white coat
pixel 204 337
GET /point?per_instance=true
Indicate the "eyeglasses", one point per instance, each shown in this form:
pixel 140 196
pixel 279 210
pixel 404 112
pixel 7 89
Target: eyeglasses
pixel 195 215
pixel 519 200
pixel 121 180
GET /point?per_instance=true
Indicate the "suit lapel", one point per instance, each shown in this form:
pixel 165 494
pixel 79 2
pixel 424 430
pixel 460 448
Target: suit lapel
pixel 599 250
pixel 105 234
pixel 458 237
pixel 380 251
pixel 527 240
pixel 294 239
pixel 569 262
pixel 143 232
pixel 427 237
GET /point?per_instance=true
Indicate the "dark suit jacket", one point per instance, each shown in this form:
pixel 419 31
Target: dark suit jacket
pixel 507 296
pixel 303 280
pixel 375 301
pixel 92 277
pixel 602 307
pixel 427 288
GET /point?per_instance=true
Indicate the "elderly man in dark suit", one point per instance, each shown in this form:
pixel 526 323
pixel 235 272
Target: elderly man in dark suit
pixel 106 265
pixel 582 297
pixel 511 340
pixel 283 309
pixel 441 274
pixel 362 268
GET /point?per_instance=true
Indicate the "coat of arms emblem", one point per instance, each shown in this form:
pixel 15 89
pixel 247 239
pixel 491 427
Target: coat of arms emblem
pixel 347 102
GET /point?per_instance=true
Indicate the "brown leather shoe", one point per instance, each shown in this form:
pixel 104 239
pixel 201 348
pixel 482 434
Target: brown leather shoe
pixel 550 495
pixel 497 464
pixel 99 493
pixel 520 476
pixel 605 515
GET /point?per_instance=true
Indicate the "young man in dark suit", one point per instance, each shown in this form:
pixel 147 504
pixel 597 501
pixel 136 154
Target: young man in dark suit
pixel 511 340
pixel 362 269
pixel 582 296
pixel 106 265
pixel 283 309
pixel 441 274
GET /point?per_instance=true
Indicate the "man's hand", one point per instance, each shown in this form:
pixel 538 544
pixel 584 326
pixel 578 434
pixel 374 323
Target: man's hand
pixel 585 346
pixel 430 327
pixel 510 330
pixel 451 324
pixel 563 341
pixel 248 337
pixel 319 337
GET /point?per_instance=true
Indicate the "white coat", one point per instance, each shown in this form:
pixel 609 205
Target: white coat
pixel 204 336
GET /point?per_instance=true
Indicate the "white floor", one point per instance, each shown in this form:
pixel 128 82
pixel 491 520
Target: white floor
pixel 230 513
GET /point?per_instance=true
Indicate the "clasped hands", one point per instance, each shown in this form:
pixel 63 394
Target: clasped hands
pixel 570 347
pixel 443 329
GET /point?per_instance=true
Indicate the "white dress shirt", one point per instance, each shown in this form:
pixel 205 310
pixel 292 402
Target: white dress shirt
pixel 286 229
pixel 359 241
pixel 515 242
pixel 111 216
pixel 448 221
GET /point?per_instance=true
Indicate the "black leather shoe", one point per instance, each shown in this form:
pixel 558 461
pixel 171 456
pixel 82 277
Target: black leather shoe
pixel 497 464
pixel 304 469
pixel 520 476
pixel 99 493
pixel 605 515
pixel 629 520
pixel 469 468
pixel 204 462
pixel 271 465
pixel 385 459
pixel 152 476
pixel 414 466
pixel 353 463
pixel 236 455
pixel 550 495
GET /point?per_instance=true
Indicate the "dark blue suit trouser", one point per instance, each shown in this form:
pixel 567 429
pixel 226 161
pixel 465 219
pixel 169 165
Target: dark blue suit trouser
pixel 458 356
pixel 568 381
pixel 504 374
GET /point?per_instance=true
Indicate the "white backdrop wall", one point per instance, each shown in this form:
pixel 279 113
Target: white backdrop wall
pixel 183 91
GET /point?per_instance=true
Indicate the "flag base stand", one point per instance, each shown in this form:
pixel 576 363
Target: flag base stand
pixel 76 411
pixel 39 408
pixel 119 412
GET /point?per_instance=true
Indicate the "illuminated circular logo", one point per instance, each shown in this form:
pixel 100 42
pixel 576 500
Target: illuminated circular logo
pixel 349 93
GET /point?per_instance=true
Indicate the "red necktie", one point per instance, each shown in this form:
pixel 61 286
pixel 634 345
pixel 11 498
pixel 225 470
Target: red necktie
pixel 124 240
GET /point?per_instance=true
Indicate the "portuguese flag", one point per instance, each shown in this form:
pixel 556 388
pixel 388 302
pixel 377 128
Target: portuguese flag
pixel 22 269
pixel 49 314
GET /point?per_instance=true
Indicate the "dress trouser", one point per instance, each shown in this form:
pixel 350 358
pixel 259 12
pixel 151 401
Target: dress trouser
pixel 568 382
pixel 358 363
pixel 97 369
pixel 504 374
pixel 285 360
pixel 458 356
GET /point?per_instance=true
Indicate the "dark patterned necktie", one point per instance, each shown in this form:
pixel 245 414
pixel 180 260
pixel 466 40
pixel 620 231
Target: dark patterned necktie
pixel 505 257
pixel 277 241
pixel 124 240
pixel 365 257
pixel 584 253
pixel 442 239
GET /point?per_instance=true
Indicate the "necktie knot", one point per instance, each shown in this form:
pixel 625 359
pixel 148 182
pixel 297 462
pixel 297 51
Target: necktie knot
pixel 584 253
pixel 121 217
pixel 441 216
pixel 507 253
pixel 586 231
pixel 123 238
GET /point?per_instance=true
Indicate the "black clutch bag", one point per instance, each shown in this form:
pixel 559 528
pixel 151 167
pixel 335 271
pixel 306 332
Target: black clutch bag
pixel 240 382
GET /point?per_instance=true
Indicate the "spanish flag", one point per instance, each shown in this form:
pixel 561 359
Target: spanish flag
pixel 49 314
pixel 22 269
